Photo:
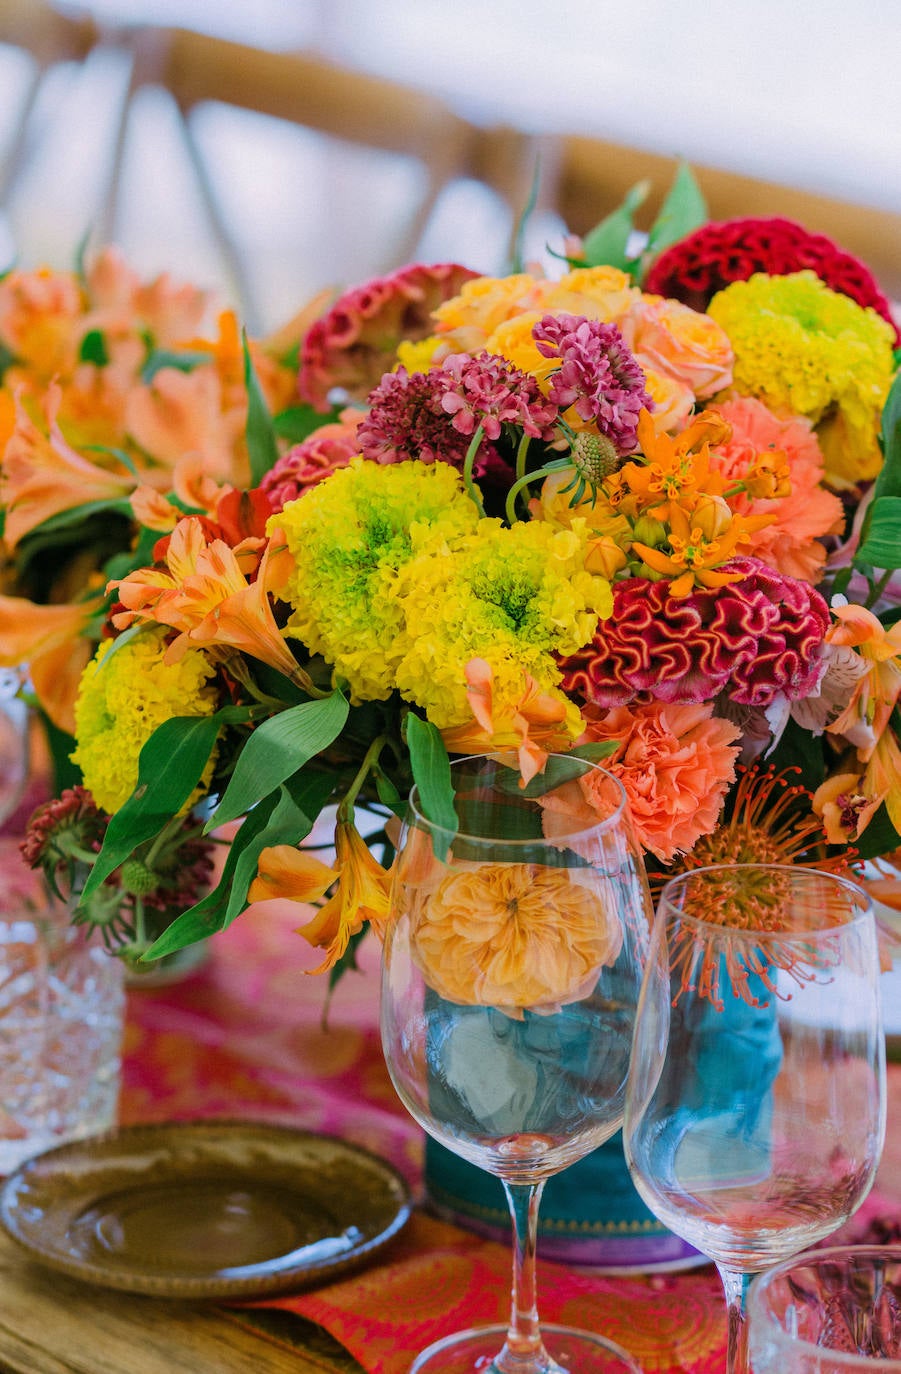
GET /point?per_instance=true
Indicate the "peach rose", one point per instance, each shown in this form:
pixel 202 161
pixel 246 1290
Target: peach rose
pixel 681 343
pixel 514 936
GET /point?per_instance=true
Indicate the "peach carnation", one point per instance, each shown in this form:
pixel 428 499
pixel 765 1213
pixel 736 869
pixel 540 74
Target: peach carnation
pixel 514 936
pixel 675 764
pixel 791 543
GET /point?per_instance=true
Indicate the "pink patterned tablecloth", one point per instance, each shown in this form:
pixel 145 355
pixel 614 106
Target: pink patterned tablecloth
pixel 243 1037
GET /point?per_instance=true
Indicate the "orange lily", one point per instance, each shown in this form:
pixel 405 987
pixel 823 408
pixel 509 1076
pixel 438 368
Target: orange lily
pixel 361 893
pixel 205 594
pixel 537 724
pixel 877 691
pixel 43 476
pixel 701 540
pixel 51 640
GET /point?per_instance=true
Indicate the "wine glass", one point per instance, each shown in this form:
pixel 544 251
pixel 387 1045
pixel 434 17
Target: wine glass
pixel 512 966
pixel 755 1108
pixel 832 1311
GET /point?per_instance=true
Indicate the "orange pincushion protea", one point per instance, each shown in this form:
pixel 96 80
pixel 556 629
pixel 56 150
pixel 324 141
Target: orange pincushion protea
pixel 513 936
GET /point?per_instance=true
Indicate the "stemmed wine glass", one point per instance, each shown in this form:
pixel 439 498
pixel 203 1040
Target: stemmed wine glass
pixel 755 1108
pixel 512 966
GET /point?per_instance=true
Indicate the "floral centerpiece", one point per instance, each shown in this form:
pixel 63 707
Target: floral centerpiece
pixel 646 509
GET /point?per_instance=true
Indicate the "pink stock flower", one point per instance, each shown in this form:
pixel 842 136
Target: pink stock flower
pixel 352 345
pixel 330 447
pixel 791 543
pixel 676 764
pixel 598 376
pixel 752 639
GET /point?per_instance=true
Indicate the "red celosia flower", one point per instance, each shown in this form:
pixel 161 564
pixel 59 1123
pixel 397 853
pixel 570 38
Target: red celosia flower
pixel 317 457
pixel 696 267
pixel 753 639
pixel 352 345
pixel 598 375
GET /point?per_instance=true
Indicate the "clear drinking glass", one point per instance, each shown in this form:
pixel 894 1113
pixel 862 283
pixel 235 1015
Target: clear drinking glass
pixel 831 1311
pixel 61 1018
pixel 512 967
pixel 755 1110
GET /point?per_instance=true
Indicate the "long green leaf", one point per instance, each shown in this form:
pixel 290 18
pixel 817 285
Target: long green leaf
pixel 606 244
pixel 169 768
pixel 888 483
pixel 262 449
pixel 431 773
pixel 277 749
pixel 285 817
pixel 881 546
pixel 683 210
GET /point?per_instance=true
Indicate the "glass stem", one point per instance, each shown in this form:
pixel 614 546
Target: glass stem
pixel 736 1285
pixel 523 1351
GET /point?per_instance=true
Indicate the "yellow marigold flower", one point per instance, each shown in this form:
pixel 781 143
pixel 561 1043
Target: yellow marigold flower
pixel 513 936
pixel 127 690
pixel 350 537
pixel 513 597
pixel 804 349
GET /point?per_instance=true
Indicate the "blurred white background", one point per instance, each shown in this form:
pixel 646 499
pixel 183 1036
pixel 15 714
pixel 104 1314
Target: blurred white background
pixel 806 95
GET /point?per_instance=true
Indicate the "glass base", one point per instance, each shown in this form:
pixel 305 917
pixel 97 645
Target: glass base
pixel 570 1352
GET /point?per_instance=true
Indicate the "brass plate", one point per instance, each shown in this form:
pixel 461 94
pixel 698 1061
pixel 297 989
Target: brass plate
pixel 204 1209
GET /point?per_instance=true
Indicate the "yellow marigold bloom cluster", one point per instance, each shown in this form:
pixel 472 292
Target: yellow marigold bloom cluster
pixel 804 349
pixel 127 690
pixel 350 536
pixel 512 597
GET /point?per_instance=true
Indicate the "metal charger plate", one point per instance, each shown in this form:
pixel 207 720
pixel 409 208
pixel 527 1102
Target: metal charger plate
pixel 204 1209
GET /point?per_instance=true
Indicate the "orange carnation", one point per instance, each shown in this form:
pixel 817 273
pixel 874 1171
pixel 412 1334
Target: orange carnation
pixel 675 763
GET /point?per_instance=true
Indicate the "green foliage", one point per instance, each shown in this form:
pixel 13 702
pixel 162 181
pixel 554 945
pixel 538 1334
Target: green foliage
pixel 431 773
pixel 93 348
pixel 888 483
pixel 285 816
pixel 683 210
pixel 262 448
pixel 880 836
pixel 517 249
pixel 607 243
pixel 277 749
pixel 297 423
pixel 185 360
pixel 169 769
pixel 881 544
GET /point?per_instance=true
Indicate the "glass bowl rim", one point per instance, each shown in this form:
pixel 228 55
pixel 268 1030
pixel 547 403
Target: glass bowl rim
pixel 864 914
pixel 839 1358
pixel 415 816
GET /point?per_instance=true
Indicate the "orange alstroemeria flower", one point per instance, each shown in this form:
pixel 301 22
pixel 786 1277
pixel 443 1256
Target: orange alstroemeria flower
pixel 42 475
pixel 361 893
pixel 206 595
pixel 877 691
pixel 701 540
pixel 537 724
pixel 848 801
pixel 50 639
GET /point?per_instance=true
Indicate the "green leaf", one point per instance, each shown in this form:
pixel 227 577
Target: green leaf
pixel 260 431
pixel 299 802
pixel 682 211
pixel 284 817
pixel 77 515
pixel 277 749
pixel 297 423
pixel 93 348
pixel 881 545
pixel 388 794
pixel 517 251
pixel 606 244
pixel 888 483
pixel 880 836
pixel 169 768
pixel 432 776
pixel 184 361
pixel 798 748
